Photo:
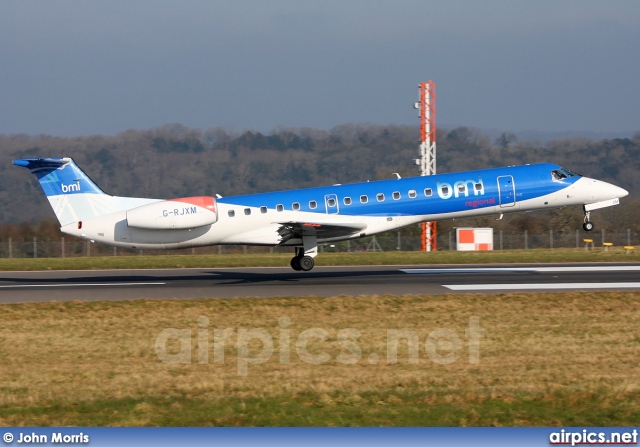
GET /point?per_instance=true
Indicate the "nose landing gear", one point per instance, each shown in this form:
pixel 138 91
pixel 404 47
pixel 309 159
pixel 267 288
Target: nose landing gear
pixel 587 225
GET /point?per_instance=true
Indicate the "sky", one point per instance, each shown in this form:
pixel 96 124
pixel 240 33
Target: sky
pixel 76 67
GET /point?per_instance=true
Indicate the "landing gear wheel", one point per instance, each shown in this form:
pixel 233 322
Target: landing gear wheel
pixel 306 263
pixel 295 263
pixel 302 263
pixel 587 225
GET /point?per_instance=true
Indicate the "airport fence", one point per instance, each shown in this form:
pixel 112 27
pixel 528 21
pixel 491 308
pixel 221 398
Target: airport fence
pixel 391 241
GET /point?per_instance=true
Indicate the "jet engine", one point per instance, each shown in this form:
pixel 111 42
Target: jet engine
pixel 174 214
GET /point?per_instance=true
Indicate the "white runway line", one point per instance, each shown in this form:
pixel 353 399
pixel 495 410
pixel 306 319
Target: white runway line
pixel 533 269
pixel 557 286
pixel 86 285
pixel 621 268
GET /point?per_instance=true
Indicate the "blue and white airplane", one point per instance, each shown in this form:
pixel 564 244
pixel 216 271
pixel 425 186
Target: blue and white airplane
pixel 304 218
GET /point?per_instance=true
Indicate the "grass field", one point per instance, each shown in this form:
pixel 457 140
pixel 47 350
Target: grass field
pixel 616 254
pixel 543 359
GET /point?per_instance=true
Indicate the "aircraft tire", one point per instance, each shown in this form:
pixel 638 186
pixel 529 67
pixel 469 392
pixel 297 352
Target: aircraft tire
pixel 588 226
pixel 295 263
pixel 306 263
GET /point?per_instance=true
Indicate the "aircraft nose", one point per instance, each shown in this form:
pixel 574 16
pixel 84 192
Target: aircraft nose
pixel 623 192
pixel 598 191
pixel 611 191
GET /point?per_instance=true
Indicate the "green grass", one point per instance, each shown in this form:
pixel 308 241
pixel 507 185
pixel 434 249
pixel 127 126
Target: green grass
pixel 400 409
pixel 545 360
pixel 323 259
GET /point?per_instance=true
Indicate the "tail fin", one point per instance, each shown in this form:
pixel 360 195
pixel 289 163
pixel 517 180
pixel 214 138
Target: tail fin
pixel 71 193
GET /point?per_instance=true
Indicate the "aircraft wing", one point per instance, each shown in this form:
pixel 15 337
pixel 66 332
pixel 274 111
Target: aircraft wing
pixel 321 230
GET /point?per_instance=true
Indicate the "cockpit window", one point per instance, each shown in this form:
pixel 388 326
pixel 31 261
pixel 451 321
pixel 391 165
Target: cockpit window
pixel 560 174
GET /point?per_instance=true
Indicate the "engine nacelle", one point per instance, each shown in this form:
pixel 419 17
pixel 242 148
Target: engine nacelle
pixel 174 214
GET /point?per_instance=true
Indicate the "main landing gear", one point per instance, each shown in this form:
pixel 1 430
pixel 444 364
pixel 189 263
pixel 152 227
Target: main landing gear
pixel 587 225
pixel 303 260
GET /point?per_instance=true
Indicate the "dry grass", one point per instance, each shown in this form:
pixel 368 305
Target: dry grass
pixel 542 358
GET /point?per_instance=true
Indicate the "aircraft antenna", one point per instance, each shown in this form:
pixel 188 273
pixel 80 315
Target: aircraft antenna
pixel 427 160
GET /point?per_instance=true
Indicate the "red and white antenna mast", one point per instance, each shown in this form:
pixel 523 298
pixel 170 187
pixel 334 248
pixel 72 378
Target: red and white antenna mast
pixel 427 160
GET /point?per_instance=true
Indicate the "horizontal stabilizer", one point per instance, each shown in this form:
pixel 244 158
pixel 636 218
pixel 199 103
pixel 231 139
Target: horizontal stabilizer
pixel 41 163
pixel 59 176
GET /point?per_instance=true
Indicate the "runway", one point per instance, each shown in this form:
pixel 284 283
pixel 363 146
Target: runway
pixel 98 285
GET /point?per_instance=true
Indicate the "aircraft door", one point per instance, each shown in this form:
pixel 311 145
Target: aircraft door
pixel 331 203
pixel 507 191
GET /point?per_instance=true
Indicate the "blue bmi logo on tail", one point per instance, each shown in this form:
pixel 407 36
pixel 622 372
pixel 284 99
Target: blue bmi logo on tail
pixel 73 196
pixel 59 176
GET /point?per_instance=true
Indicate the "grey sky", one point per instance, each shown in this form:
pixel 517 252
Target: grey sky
pixel 85 67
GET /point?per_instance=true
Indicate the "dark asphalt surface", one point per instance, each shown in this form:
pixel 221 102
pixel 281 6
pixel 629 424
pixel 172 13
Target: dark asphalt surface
pixel 94 285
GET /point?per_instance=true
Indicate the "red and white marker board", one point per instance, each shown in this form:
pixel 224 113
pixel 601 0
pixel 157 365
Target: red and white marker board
pixel 474 239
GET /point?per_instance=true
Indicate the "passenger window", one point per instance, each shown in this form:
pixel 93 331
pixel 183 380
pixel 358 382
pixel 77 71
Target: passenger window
pixel 428 192
pixel 478 186
pixel 445 190
pixel 313 204
pixel 412 194
pixel 347 200
pixel 279 208
pixel 396 195
pixel 263 209
pixel 295 206
pixel 364 199
pixel 462 188
pixel 247 211
pixel 232 213
pixel 380 197
pixel 331 202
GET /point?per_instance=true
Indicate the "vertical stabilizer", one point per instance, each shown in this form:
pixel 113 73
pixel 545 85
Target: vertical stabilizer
pixel 71 193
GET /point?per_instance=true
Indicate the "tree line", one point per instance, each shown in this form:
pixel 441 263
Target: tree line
pixel 176 161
